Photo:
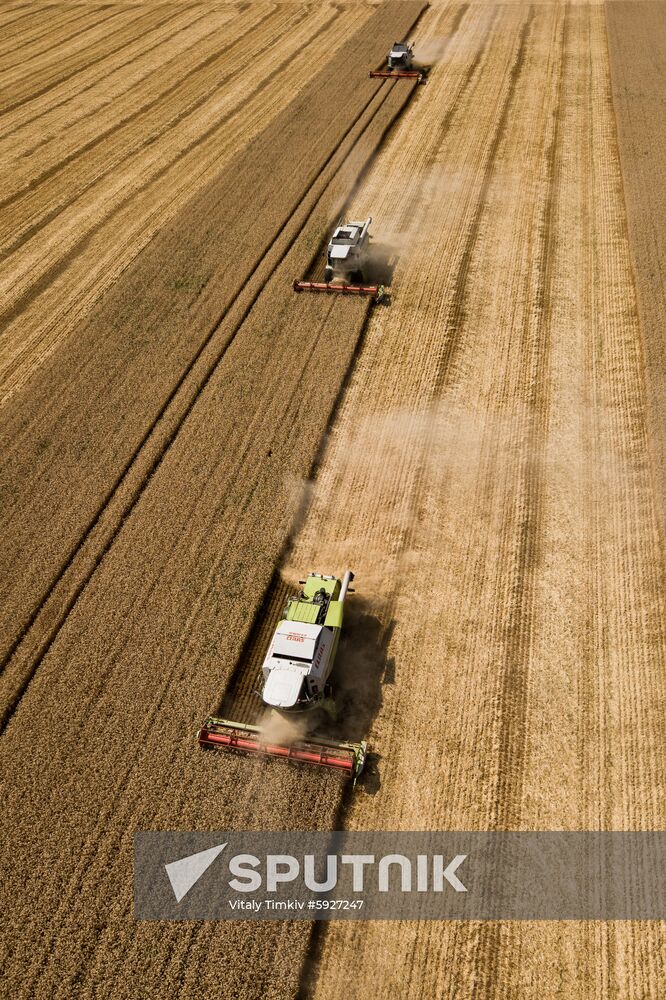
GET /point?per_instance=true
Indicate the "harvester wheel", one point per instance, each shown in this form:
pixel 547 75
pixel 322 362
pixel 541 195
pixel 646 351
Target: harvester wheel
pixel 328 274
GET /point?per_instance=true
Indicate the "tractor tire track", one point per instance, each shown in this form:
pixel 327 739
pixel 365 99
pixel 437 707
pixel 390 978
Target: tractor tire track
pixel 513 682
pixel 456 312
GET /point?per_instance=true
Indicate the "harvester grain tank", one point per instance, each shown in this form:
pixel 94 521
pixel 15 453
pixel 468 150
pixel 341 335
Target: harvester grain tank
pixel 296 676
pixel 347 261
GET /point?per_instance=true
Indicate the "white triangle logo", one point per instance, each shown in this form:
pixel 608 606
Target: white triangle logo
pixel 184 873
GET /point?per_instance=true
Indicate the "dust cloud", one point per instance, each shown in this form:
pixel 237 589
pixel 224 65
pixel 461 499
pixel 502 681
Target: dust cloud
pixel 277 728
pixel 366 515
pixel 431 51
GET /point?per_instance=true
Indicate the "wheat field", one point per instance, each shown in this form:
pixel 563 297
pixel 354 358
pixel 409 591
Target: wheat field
pixel 182 437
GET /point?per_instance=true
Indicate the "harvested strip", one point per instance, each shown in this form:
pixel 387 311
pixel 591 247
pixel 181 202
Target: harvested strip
pixel 637 40
pixel 24 41
pixel 55 35
pixel 69 170
pixel 73 89
pixel 16 16
pixel 65 69
pixel 531 551
pixel 153 189
pixel 173 36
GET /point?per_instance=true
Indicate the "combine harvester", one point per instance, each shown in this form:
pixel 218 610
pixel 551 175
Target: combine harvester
pixel 296 672
pixel 347 259
pixel 399 64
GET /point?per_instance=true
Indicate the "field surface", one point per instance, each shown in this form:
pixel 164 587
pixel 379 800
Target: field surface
pixel 182 437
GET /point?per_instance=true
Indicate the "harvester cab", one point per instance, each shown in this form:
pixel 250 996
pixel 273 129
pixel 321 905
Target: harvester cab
pixel 295 673
pixel 347 259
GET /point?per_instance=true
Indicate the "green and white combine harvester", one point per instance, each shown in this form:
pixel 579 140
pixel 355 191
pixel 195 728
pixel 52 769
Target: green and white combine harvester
pixel 296 679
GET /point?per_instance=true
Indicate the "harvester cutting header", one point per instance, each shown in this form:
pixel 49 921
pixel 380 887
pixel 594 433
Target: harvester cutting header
pixel 399 64
pixel 347 261
pixel 296 679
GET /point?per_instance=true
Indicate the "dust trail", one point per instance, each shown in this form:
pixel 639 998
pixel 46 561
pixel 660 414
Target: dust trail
pixel 431 51
pixel 449 444
pixel 400 228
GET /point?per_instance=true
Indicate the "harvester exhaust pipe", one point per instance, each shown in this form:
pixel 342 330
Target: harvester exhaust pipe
pixel 346 580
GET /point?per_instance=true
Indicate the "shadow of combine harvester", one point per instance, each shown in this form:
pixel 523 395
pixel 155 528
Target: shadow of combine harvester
pixel 334 740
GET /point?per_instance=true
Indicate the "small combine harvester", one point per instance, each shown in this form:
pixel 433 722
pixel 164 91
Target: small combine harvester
pixel 399 64
pixel 347 259
pixel 296 679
